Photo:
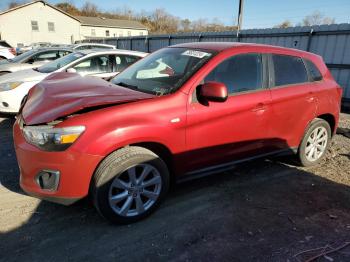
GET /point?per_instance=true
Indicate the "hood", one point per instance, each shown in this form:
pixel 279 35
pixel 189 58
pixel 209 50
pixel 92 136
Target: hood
pixel 27 75
pixel 62 94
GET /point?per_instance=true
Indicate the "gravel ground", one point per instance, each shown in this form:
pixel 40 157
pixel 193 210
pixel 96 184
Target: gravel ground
pixel 266 210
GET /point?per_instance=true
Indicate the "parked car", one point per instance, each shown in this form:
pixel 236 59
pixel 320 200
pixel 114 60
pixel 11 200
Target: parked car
pixel 6 51
pixel 22 49
pixel 124 141
pixel 32 59
pixel 84 46
pixel 100 63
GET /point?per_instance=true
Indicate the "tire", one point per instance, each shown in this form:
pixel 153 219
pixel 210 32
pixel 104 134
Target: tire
pixel 118 186
pixel 313 149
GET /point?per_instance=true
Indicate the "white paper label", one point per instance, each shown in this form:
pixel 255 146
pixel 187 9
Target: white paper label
pixel 195 53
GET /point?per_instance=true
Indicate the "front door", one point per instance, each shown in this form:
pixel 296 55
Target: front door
pixel 221 132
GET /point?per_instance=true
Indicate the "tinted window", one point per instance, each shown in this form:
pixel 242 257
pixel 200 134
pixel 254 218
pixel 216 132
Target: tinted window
pixel 289 70
pixel 239 73
pixel 315 74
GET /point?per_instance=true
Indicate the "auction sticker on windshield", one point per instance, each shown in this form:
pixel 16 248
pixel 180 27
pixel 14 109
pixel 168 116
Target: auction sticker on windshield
pixel 195 53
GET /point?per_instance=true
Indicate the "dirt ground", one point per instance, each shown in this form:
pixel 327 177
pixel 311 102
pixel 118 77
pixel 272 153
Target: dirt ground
pixel 266 210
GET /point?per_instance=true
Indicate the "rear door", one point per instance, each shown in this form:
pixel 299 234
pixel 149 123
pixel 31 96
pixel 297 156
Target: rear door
pixel 222 132
pixel 293 100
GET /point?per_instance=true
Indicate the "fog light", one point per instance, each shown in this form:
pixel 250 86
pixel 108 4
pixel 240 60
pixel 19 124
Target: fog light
pixel 48 179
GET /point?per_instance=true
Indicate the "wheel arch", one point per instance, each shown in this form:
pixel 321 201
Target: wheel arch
pixel 331 120
pixel 158 148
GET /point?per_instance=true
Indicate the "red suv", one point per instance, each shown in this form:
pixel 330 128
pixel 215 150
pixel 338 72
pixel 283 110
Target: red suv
pixel 183 111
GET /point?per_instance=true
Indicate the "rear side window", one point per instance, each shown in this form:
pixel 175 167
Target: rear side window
pixel 240 73
pixel 289 70
pixel 314 73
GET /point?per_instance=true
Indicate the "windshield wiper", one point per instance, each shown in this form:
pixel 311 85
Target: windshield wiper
pixel 127 85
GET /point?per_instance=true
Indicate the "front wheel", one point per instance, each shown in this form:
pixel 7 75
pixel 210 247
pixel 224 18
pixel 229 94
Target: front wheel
pixel 315 143
pixel 129 184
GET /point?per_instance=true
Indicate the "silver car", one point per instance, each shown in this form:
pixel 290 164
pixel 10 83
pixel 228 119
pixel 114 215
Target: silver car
pixel 32 59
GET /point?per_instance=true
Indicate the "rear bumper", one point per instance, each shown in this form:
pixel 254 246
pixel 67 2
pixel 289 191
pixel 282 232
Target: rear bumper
pixel 75 169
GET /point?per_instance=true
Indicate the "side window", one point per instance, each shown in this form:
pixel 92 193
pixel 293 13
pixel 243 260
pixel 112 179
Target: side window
pixel 45 56
pixel 315 74
pixel 63 53
pixel 94 65
pixel 240 73
pixel 288 70
pixel 123 61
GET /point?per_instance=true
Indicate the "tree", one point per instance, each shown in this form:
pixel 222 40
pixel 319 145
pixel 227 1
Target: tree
pixel 68 8
pixel 13 4
pixel 185 25
pixel 89 9
pixel 317 18
pixel 284 24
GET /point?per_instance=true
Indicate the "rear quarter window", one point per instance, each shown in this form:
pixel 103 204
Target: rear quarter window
pixel 315 74
pixel 288 70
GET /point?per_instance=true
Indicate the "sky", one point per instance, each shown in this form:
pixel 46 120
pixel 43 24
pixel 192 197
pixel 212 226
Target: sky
pixel 256 13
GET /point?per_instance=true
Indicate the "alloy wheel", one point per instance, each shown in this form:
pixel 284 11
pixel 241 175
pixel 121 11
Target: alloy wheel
pixel 135 190
pixel 316 144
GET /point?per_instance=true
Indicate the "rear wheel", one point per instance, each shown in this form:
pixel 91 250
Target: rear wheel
pixel 129 184
pixel 315 143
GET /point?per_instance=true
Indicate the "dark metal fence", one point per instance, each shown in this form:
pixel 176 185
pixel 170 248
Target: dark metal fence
pixel 332 42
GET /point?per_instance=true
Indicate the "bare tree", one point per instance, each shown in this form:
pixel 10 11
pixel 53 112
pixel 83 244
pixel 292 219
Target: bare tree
pixel 89 9
pixel 158 21
pixel 284 24
pixel 68 8
pixel 13 4
pixel 185 25
pixel 317 18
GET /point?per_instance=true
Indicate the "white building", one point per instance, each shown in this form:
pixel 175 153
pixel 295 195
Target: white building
pixel 39 21
pixel 103 27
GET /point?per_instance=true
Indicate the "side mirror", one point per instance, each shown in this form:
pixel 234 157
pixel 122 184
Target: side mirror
pixel 71 70
pixel 214 91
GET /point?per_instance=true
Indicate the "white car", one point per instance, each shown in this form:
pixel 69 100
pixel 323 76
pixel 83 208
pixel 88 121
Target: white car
pixel 100 63
pixel 6 51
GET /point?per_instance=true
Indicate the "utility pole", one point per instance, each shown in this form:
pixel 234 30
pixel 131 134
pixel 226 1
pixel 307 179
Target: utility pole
pixel 240 15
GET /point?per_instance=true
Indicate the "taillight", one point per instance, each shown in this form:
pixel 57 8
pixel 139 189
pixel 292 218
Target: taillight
pixel 13 51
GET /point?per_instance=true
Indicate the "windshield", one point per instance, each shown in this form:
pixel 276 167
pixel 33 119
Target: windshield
pixel 59 63
pixel 23 56
pixel 164 71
